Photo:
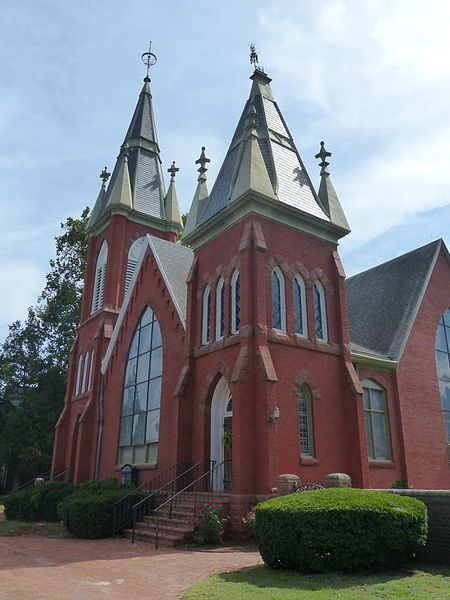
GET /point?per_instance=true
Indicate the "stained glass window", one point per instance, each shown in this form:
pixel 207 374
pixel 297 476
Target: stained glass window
pixel 139 429
pixel 376 420
pixel 305 421
pixel 206 316
pixel 220 309
pixel 300 306
pixel 443 367
pixel 320 316
pixel 235 302
pixel 278 301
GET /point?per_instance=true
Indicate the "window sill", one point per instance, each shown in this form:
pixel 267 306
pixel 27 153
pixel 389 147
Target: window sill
pixel 381 464
pixel 309 460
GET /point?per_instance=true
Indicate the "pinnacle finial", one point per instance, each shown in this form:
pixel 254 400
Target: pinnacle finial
pixel 323 154
pixel 149 59
pixel 125 149
pixel 104 175
pixel 173 170
pixel 202 161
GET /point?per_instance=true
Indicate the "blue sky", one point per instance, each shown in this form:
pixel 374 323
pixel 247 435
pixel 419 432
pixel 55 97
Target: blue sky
pixel 370 77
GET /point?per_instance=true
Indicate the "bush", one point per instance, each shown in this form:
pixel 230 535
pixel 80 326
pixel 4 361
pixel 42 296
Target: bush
pixel 18 506
pixel 399 484
pixel 99 486
pixel 208 526
pixel 91 516
pixel 342 529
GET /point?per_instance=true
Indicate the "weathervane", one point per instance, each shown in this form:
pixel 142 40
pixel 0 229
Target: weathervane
pixel 104 175
pixel 173 170
pixel 149 59
pixel 253 55
pixel 323 154
pixel 202 161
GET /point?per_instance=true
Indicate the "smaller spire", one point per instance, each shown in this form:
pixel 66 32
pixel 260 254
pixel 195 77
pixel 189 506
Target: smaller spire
pixel 99 202
pixel 327 194
pixel 120 194
pixel 200 196
pixel 173 170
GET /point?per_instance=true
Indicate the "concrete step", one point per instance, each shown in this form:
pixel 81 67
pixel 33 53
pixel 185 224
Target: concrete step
pixel 165 538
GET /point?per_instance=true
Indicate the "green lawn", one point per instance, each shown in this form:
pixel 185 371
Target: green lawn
pixel 13 528
pixel 260 583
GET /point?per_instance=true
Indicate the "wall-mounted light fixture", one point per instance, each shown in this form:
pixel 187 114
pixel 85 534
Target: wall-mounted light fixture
pixel 275 416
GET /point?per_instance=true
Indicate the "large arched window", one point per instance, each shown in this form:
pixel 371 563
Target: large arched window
pixel 220 309
pixel 320 312
pixel 278 300
pixel 206 315
pixel 133 256
pixel 300 322
pixel 139 428
pixel 443 367
pixel 305 422
pixel 376 419
pixel 235 302
pixel 99 281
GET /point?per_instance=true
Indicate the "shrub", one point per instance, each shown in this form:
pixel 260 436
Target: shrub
pixel 208 526
pixel 45 498
pixel 399 484
pixel 99 486
pixel 91 516
pixel 341 529
pixel 18 506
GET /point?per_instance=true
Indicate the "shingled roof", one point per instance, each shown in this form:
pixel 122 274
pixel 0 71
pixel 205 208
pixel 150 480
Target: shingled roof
pixel 383 301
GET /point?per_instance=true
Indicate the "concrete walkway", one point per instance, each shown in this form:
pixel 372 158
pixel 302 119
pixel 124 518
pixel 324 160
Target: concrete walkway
pixel 33 568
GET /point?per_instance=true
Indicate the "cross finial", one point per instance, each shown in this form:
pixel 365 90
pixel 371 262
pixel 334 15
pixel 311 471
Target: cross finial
pixel 104 175
pixel 149 59
pixel 202 161
pixel 323 154
pixel 173 170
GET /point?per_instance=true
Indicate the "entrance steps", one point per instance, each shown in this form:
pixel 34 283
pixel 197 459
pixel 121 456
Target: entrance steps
pixel 176 525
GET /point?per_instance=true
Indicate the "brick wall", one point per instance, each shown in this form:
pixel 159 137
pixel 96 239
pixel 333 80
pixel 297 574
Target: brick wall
pixel 437 549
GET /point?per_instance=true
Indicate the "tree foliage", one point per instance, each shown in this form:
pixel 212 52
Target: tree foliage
pixel 33 359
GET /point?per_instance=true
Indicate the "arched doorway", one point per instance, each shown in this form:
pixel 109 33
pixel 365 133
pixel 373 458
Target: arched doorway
pixel 221 435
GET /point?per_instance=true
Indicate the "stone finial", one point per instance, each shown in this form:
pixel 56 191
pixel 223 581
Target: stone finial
pixel 104 175
pixel 173 170
pixel 338 480
pixel 287 484
pixel 323 154
pixel 202 161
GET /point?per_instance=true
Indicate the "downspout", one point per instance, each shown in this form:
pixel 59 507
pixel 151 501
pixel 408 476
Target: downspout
pixel 100 428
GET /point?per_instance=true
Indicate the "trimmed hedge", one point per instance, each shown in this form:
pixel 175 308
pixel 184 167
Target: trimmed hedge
pixel 38 503
pixel 343 529
pixel 90 516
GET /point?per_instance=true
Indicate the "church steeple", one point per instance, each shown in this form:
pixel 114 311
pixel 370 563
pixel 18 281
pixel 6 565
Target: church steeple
pixel 263 173
pixel 137 186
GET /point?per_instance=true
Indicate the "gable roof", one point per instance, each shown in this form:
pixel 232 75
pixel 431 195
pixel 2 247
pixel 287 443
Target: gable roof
pixel 174 262
pixel 383 301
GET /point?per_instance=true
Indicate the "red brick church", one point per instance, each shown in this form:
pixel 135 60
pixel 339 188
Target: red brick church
pixel 247 346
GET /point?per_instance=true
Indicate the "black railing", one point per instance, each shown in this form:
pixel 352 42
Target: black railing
pixel 150 503
pixel 46 477
pixel 123 508
pixel 189 495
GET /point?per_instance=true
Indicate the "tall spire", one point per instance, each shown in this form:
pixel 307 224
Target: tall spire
pixel 143 165
pixel 327 194
pixel 263 172
pixel 200 196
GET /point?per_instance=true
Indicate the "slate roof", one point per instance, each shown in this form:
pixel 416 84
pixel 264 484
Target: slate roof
pixel 285 168
pixel 383 301
pixel 175 261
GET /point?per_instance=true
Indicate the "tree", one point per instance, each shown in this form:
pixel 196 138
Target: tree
pixel 33 359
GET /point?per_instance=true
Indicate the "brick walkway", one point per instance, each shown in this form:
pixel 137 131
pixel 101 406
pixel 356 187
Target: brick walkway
pixel 111 569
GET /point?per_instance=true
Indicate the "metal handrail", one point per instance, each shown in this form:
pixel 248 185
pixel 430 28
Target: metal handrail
pixel 155 481
pixel 45 476
pixel 185 490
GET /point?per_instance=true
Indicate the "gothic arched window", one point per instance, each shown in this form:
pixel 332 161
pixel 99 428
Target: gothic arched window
pixel 306 422
pixel 79 374
pixel 206 315
pixel 300 322
pixel 320 312
pixel 443 367
pixel 235 302
pixel 376 419
pixel 220 309
pixel 139 427
pixel 278 300
pixel 134 254
pixel 99 281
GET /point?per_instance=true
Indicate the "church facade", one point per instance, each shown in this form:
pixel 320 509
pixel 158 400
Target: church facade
pixel 246 346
